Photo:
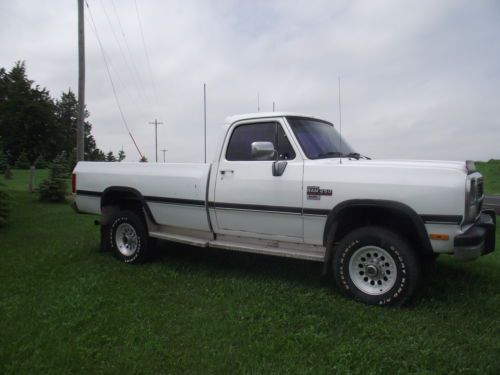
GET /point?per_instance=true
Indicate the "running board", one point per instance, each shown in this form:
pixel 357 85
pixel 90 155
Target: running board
pixel 314 255
pixel 188 240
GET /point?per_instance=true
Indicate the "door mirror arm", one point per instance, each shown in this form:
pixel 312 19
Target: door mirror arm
pixel 279 167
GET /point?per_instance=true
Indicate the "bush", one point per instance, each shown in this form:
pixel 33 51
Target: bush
pixel 23 161
pixel 41 163
pixel 53 190
pixel 4 163
pixel 60 166
pixel 4 205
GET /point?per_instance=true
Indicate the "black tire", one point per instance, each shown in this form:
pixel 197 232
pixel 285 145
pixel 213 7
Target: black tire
pixel 128 237
pixel 359 268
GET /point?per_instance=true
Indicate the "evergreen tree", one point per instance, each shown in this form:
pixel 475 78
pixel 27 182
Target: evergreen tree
pixel 54 189
pixel 4 205
pixel 3 162
pixel 41 163
pixel 143 159
pixel 110 156
pixel 22 162
pixel 121 155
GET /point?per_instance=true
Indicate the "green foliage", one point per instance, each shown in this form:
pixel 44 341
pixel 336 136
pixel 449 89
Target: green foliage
pixel 35 124
pixel 4 205
pixel 3 162
pixel 143 159
pixel 60 166
pixel 55 187
pixel 491 172
pixel 110 156
pixel 7 173
pixel 41 163
pixel 53 190
pixel 23 162
pixel 121 155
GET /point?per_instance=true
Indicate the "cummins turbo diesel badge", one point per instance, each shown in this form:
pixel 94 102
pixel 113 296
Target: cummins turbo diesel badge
pixel 315 193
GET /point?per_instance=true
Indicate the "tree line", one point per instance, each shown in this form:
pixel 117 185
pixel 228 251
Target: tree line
pixel 35 128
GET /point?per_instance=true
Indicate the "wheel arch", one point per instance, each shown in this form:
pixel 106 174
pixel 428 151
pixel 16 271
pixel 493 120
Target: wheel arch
pixel 122 197
pixel 355 213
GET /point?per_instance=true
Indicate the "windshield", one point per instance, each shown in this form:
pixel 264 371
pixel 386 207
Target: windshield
pixel 319 139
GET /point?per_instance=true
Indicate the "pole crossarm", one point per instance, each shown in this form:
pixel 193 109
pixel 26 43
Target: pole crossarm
pixel 156 123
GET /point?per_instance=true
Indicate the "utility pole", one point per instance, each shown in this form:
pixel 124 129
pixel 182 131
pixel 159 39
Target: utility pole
pixel 273 106
pixel 164 150
pixel 258 102
pixel 80 152
pixel 156 123
pixel 205 119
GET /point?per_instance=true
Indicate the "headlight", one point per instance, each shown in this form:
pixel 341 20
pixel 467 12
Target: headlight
pixel 473 198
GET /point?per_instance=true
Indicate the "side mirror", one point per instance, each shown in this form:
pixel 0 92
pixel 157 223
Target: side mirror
pixel 263 151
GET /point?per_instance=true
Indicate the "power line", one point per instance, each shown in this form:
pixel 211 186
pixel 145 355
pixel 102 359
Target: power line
pixel 145 50
pixel 133 74
pixel 110 78
pixel 134 66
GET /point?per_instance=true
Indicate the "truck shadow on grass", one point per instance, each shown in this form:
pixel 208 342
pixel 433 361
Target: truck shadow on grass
pixel 451 282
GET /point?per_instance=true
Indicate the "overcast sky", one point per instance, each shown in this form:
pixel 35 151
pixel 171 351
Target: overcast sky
pixel 420 79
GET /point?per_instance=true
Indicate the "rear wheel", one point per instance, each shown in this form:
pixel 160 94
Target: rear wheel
pixel 376 266
pixel 127 237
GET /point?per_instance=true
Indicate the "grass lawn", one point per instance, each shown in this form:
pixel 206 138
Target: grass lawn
pixel 65 307
pixel 491 172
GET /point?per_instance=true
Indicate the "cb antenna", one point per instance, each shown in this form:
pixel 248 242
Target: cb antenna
pixel 340 123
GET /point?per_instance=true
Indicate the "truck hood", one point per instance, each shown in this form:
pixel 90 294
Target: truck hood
pixel 459 166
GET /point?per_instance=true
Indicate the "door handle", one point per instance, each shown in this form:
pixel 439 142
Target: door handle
pixel 226 171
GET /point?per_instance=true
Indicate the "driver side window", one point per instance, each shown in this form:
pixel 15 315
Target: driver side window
pixel 240 144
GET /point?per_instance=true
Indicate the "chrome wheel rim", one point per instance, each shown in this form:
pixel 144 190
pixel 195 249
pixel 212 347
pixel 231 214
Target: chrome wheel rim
pixel 126 239
pixel 373 270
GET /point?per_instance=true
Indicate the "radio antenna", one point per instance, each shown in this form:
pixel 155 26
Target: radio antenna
pixel 340 123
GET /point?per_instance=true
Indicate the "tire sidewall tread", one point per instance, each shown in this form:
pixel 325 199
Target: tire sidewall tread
pixel 139 226
pixel 406 259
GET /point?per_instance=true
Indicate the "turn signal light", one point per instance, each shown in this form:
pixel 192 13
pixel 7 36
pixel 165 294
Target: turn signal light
pixel 440 237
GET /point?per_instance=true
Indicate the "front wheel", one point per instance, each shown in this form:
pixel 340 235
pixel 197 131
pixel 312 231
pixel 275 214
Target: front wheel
pixel 127 236
pixel 376 266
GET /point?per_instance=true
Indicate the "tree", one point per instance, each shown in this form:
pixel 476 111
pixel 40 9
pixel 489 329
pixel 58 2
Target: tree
pixel 27 118
pixel 33 123
pixel 121 155
pixel 143 159
pixel 97 155
pixel 22 162
pixel 54 188
pixel 110 156
pixel 3 162
pixel 4 205
pixel 40 162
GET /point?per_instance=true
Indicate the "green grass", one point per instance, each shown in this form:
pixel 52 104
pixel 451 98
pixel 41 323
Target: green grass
pixel 67 308
pixel 491 172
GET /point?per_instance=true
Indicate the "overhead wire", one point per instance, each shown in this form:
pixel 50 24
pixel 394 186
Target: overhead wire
pixel 146 50
pixel 134 66
pixel 133 74
pixel 93 24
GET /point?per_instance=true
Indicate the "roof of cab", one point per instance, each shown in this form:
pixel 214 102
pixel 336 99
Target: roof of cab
pixel 258 115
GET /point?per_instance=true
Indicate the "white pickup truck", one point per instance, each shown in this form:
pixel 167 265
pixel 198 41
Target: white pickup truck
pixel 286 184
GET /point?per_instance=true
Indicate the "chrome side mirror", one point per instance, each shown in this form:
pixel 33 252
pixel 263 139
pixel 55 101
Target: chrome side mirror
pixel 263 151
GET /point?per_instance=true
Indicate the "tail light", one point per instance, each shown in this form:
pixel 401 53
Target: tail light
pixel 73 183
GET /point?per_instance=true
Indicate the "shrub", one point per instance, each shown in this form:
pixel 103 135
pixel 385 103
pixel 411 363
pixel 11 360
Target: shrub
pixel 23 161
pixel 60 166
pixel 4 205
pixel 52 190
pixel 3 162
pixel 41 163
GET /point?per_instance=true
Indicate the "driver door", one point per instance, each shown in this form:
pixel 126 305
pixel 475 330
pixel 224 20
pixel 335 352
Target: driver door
pixel 248 197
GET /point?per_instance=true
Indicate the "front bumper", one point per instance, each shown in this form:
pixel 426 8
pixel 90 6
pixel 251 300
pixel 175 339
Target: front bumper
pixel 479 239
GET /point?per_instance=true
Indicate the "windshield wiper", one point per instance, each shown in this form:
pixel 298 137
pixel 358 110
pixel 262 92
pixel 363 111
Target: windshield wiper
pixel 330 153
